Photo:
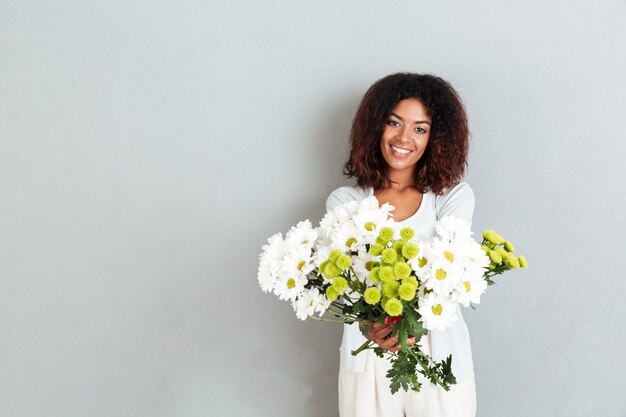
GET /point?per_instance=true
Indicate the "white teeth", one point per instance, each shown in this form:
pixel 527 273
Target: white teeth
pixel 402 151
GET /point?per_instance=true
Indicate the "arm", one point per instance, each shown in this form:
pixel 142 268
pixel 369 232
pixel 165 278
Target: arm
pixel 458 201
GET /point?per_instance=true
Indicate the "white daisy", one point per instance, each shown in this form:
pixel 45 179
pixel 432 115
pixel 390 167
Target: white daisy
pixel 303 233
pixel 437 312
pixel 307 303
pixel 371 218
pixel 289 287
pixel 299 259
pixel 362 265
pixel 476 257
pixel 347 238
pixel 451 228
pixel 267 273
pixel 275 248
pixel 422 263
pixel 270 261
pixel 443 276
pixel 469 290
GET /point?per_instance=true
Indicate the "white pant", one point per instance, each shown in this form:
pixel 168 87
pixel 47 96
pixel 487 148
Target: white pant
pixel 367 394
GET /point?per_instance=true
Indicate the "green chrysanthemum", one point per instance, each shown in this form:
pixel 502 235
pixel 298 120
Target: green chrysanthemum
pixel 397 246
pixel 509 246
pixel 386 233
pixel 495 257
pixel 331 270
pixel 322 266
pixel 371 295
pixel 386 274
pixel 343 262
pixel 410 250
pixel 506 257
pixel 389 255
pixel 376 249
pixel 523 262
pixel 406 291
pixel 339 284
pixel 513 262
pixel 406 233
pixel 410 280
pixel 382 241
pixel 502 252
pixel 390 289
pixel 393 307
pixel 331 293
pixel 374 274
pixel 402 270
pixel 485 248
pixel 334 254
pixel 493 237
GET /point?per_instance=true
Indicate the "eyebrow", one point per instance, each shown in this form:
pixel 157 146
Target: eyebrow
pixel 417 122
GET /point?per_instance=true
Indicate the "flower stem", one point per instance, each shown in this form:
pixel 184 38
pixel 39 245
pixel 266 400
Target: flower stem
pixel 338 314
pixel 364 346
pixel 424 366
pixel 328 320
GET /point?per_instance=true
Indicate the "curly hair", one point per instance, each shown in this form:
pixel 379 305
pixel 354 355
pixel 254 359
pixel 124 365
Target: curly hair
pixel 443 163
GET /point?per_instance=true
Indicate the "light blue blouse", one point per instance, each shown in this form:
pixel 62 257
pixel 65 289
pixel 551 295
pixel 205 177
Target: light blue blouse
pixel 458 200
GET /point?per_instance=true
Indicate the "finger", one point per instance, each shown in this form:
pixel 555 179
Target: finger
pixel 389 343
pixel 410 341
pixel 384 331
pixel 376 326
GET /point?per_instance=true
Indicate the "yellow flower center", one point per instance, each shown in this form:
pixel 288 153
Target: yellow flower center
pixel 350 242
pixel 369 226
pixel 440 274
pixel 301 265
pixel 291 283
pixel 369 265
pixel 467 286
pixel 422 261
pixel 448 256
pixel 437 309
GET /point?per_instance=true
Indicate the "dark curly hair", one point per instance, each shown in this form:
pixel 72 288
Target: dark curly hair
pixel 443 163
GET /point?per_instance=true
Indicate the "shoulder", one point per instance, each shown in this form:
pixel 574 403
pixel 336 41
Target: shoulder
pixel 460 191
pixel 457 200
pixel 343 195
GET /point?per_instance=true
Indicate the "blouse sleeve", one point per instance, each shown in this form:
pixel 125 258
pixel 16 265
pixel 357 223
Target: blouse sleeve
pixel 340 196
pixel 458 201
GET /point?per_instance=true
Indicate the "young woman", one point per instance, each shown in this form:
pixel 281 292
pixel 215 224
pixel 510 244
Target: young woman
pixel 409 144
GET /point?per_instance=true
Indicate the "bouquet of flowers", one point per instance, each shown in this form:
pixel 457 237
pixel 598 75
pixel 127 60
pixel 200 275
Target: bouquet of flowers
pixel 359 266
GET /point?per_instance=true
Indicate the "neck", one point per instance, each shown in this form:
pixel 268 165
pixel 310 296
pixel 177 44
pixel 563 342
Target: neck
pixel 400 179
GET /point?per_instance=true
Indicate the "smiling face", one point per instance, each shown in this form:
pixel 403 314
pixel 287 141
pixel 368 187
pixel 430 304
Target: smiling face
pixel 406 134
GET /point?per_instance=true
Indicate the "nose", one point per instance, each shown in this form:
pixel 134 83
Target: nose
pixel 405 133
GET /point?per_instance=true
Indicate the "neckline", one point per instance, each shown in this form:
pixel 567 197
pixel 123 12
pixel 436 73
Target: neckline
pixel 419 209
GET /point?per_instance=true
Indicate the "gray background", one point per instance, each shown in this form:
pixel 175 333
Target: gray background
pixel 148 149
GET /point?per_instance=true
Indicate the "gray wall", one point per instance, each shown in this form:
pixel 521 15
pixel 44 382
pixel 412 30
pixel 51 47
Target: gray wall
pixel 148 149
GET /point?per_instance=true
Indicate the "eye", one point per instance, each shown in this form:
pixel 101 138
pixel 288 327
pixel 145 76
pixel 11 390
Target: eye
pixel 420 130
pixel 392 123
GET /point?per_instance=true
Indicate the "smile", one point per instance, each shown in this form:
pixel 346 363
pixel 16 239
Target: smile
pixel 399 152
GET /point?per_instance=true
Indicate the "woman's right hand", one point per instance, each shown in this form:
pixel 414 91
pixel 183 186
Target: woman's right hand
pixel 378 333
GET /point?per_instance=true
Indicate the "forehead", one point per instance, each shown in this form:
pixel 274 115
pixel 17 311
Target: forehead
pixel 411 108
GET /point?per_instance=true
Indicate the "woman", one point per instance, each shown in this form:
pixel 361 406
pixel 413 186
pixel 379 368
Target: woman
pixel 409 144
